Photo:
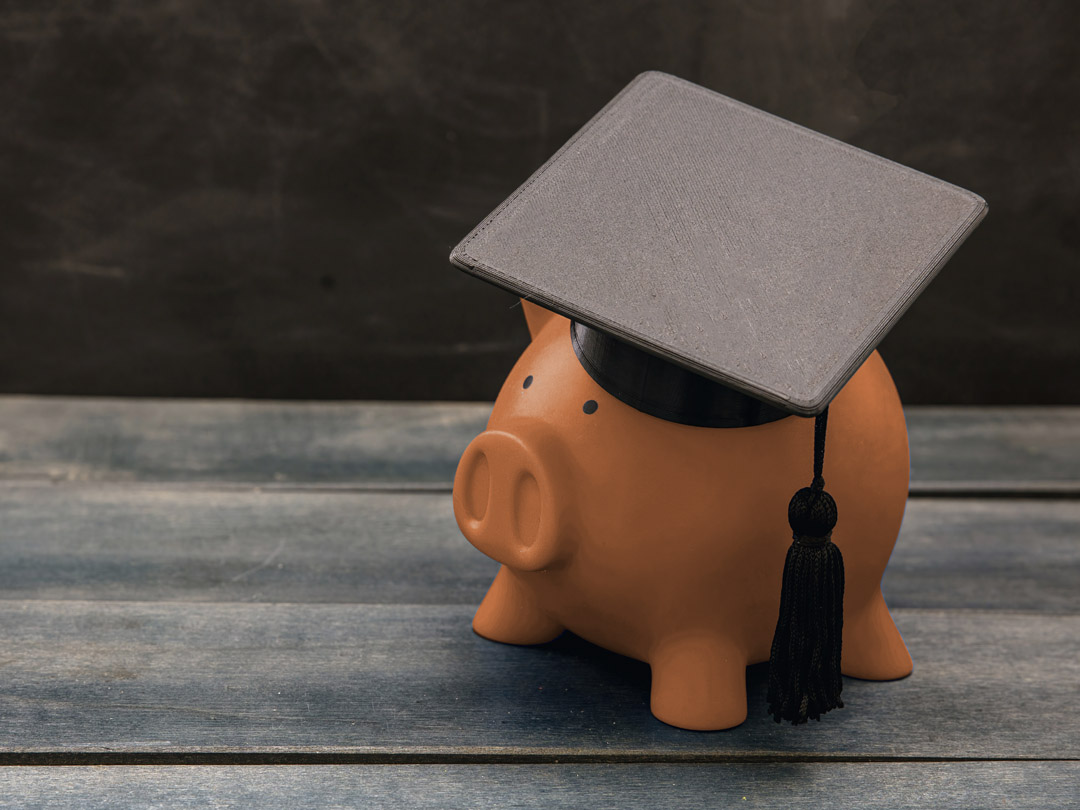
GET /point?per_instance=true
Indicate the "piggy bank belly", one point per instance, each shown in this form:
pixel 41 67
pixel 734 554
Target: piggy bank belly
pixel 666 542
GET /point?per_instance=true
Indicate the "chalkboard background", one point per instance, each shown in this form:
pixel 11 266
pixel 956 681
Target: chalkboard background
pixel 257 199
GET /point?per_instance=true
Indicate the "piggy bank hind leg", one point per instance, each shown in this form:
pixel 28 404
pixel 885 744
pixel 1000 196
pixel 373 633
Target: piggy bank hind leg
pixel 510 613
pixel 699 683
pixel 873 648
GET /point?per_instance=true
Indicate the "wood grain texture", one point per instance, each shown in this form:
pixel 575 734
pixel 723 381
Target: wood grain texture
pixel 989 451
pixel 987 554
pixel 254 582
pixel 391 443
pixel 985 450
pixel 384 679
pixel 176 543
pixel 799 786
pixel 184 544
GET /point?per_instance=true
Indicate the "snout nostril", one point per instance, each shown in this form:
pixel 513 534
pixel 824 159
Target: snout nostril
pixel 478 487
pixel 526 511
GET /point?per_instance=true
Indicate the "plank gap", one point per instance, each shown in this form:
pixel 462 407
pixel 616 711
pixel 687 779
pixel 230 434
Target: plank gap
pixel 1035 490
pixel 106 758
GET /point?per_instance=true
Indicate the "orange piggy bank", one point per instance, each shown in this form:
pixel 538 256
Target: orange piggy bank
pixel 666 542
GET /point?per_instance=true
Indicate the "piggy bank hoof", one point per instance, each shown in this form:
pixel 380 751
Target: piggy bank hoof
pixel 509 614
pixel 873 648
pixel 699 684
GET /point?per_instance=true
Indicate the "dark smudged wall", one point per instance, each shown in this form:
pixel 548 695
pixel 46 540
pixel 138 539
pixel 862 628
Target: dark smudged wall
pixel 257 199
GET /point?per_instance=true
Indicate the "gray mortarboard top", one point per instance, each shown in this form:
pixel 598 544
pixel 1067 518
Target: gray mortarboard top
pixel 745 248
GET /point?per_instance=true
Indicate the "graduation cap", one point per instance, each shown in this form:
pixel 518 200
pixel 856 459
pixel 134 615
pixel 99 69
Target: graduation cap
pixel 723 267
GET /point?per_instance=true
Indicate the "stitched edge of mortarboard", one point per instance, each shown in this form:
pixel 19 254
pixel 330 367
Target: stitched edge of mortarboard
pixel 809 405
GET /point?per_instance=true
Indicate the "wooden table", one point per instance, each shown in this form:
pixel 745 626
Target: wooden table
pixel 267 604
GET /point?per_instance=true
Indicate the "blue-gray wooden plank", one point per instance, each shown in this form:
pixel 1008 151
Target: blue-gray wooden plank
pixel 103 541
pixel 418 444
pixel 856 786
pixel 984 450
pixel 231 441
pixel 377 680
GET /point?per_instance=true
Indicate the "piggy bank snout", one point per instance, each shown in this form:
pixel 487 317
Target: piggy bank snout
pixel 504 502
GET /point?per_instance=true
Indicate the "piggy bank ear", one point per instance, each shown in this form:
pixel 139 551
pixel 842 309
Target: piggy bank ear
pixel 537 317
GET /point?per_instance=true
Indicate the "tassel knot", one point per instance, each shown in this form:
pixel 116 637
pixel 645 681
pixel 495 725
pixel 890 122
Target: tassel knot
pixel 812 512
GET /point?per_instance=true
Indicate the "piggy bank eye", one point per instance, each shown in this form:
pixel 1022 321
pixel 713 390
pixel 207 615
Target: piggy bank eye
pixel 590 406
pixel 528 382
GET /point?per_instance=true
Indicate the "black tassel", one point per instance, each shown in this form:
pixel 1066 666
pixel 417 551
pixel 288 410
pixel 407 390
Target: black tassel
pixel 804 667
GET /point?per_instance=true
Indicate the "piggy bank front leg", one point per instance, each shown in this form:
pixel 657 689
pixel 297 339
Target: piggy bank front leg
pixel 510 613
pixel 699 682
